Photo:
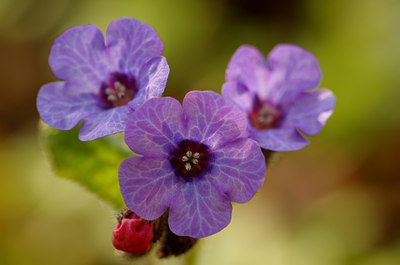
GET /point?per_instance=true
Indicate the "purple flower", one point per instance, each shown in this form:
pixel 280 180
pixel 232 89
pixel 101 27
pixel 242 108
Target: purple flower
pixel 276 96
pixel 103 82
pixel 195 159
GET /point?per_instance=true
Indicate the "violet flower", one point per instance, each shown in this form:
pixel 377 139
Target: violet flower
pixel 195 159
pixel 276 95
pixel 103 82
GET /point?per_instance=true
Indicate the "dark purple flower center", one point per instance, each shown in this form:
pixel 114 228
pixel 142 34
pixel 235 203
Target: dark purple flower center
pixel 118 90
pixel 190 159
pixel 264 115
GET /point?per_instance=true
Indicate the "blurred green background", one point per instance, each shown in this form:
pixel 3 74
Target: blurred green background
pixel 336 202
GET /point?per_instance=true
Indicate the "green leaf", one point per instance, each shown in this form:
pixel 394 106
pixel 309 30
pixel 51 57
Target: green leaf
pixel 94 164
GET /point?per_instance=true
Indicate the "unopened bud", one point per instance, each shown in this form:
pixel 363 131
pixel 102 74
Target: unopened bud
pixel 132 234
pixel 174 245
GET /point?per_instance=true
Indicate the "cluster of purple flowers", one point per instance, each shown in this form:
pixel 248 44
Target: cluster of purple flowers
pixel 198 156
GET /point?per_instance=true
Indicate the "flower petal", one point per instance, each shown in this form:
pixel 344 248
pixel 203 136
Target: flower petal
pixel 238 170
pixel 310 111
pixel 61 110
pixel 288 139
pixel 79 57
pixel 238 93
pixel 105 122
pixel 132 43
pixel 211 119
pixel 152 80
pixel 198 209
pixel 147 185
pixel 155 128
pixel 292 70
pixel 247 66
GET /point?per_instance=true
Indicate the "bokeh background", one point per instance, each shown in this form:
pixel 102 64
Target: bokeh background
pixel 336 202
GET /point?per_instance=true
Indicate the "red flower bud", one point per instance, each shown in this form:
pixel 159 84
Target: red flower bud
pixel 132 234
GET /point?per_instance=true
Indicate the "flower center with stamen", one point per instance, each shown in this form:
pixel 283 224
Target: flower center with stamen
pixel 190 159
pixel 264 115
pixel 117 91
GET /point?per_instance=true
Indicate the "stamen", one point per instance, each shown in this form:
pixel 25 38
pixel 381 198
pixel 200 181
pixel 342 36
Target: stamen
pixel 267 115
pixel 112 97
pixel 120 87
pixel 110 91
pixel 265 119
pixel 191 159
pixel 264 115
